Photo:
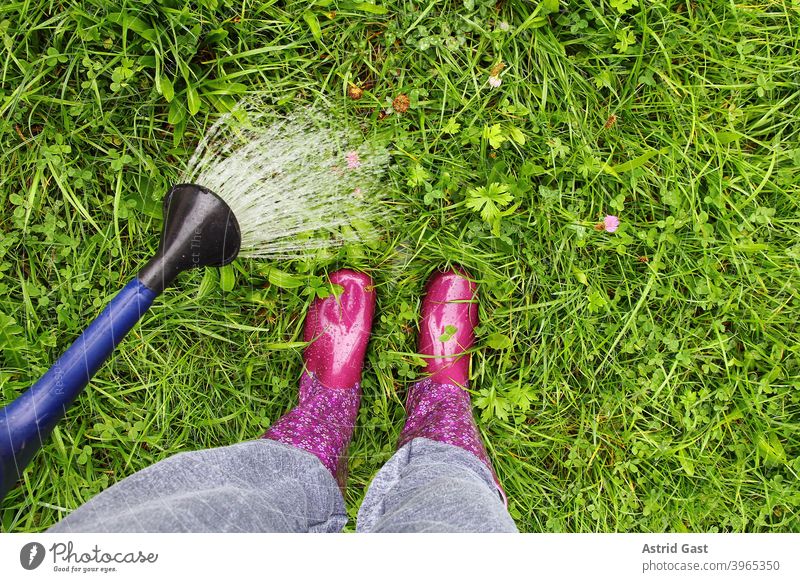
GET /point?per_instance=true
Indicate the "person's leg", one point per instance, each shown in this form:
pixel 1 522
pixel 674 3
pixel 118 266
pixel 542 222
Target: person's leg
pixel 284 482
pixel 255 486
pixel 441 478
pixel 431 486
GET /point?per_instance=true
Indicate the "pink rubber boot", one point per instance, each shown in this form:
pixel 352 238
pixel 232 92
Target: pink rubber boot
pixel 438 407
pixel 338 330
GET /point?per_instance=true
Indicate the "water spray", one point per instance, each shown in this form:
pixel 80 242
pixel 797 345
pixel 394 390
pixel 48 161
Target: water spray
pixel 271 188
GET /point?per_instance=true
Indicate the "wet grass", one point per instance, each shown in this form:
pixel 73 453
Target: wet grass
pixel 645 380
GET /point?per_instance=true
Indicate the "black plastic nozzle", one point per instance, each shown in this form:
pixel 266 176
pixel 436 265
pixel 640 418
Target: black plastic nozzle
pixel 200 230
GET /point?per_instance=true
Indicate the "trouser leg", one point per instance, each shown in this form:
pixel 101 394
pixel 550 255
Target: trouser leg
pixel 430 486
pixel 254 486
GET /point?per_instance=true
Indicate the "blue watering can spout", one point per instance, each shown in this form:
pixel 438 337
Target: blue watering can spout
pixel 199 230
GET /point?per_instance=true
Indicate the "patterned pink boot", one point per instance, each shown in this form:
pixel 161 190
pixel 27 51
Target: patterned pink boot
pixel 439 407
pixel 330 387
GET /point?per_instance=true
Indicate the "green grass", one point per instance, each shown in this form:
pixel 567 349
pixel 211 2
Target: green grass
pixel 646 380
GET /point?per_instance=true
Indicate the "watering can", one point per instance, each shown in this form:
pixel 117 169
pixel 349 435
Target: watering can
pixel 199 230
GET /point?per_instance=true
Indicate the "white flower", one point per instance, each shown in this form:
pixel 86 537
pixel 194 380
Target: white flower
pixel 504 26
pixel 495 81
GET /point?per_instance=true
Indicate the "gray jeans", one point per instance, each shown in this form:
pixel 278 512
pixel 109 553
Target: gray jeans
pixel 267 486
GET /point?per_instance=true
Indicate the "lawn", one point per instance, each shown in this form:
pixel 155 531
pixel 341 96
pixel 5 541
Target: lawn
pixel 646 379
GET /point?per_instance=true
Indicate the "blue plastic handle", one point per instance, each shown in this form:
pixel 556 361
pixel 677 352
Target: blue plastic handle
pixel 27 422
